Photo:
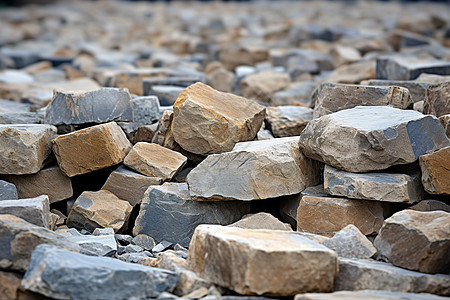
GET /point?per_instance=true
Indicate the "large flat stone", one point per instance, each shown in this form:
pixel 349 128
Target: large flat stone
pixel 368 295
pixel 437 100
pixel 102 245
pixel 254 170
pixel 407 67
pixel 286 121
pixel 34 210
pixel 418 90
pixel 8 191
pixel 367 138
pixel 262 262
pixel 436 171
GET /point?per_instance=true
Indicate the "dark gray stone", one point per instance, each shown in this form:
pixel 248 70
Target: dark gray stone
pixel 164 245
pixel 7 106
pixel 180 81
pixel 33 210
pixel 166 94
pixel 418 90
pixel 8 191
pixel 19 118
pixel 146 110
pixel 404 67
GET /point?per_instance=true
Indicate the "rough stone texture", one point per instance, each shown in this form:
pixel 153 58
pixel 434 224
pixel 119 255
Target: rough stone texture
pixel 298 93
pixel 167 94
pixel 23 148
pixel 431 205
pixel 34 210
pixel 286 121
pixel 387 187
pixel 8 190
pixel 9 285
pixel 445 121
pixel 154 160
pixel 437 100
pixel 436 171
pixel 168 213
pixel 146 110
pixel 100 106
pixel 48 181
pixel 261 221
pixel 58 273
pixel 368 295
pixel 91 149
pixel 129 185
pixel 333 97
pixel 349 242
pixel 207 121
pixel 418 90
pixel 254 170
pixel 238 266
pixel 362 274
pixel 163 127
pixel 99 209
pixel 367 138
pixel 404 67
pixel 102 245
pixel 18 238
pixel 353 73
pixel 416 240
pixel 261 86
pixel 219 78
pixel 321 214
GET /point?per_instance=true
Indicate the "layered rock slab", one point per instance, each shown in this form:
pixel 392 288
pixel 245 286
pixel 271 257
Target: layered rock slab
pixel 368 295
pixel 8 190
pixel 436 171
pixel 437 100
pixel 33 210
pixel 286 121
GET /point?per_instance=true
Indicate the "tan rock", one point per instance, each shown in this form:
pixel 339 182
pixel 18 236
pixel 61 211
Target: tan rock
pixel 207 121
pixel 91 149
pixel 287 120
pixel 232 56
pixel 261 86
pixel 436 171
pixel 343 55
pixel 154 160
pixel 261 221
pixel 353 73
pixel 368 295
pixel 262 262
pixel 416 240
pixel 437 100
pixel 445 121
pixel 163 127
pixel 431 205
pixel 9 285
pixel 219 78
pixel 99 209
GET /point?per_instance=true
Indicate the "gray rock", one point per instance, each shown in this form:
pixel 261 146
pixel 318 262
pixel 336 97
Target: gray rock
pixel 431 205
pixel 133 249
pixel 404 67
pixel 167 94
pixel 417 90
pixel 163 245
pixel 286 121
pixel 8 191
pixel 368 295
pixel 437 99
pixel 19 118
pixel 144 241
pixel 58 273
pixel 7 106
pixel 134 257
pixel 124 239
pixel 297 93
pixel 33 210
pixel 180 81
pixel 146 110
pixel 103 231
pixel 102 245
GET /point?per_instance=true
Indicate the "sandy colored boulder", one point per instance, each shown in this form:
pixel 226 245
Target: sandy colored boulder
pixel 261 86
pixel 436 171
pixel 91 149
pixel 207 121
pixel 445 121
pixel 286 121
pixel 437 100
pixel 9 285
pixel 219 77
pixel 431 205
pixel 262 262
pixel 261 221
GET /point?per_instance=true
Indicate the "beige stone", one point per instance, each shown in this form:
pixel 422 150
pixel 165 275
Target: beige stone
pixel 368 295
pixel 232 56
pixel 219 78
pixel 261 86
pixel 261 221
pixel 9 285
pixel 416 240
pixel 99 209
pixel 437 100
pixel 91 149
pixel 286 121
pixel 207 121
pixel 343 55
pixel 436 171
pixel 431 205
pixel 445 121
pixel 262 262
pixel 353 73
pixel 163 127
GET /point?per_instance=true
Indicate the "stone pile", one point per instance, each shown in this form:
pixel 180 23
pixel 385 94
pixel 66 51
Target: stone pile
pixel 274 149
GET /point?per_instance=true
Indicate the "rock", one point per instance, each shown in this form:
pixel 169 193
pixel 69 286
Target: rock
pixel 219 78
pixel 292 256
pixel 254 170
pixel 144 133
pixel 333 97
pixel 99 106
pixel 52 268
pixel 8 191
pixel 133 249
pixel 349 242
pixel 129 185
pixel 106 144
pixel 144 241
pixel 163 127
pixel 19 238
pixel 34 210
pixel 387 187
pixel 367 216
pixel 437 99
pixel 416 241
pixel 286 121
pixel 436 171
pixel 431 205
pixel 48 181
pixel 343 55
pixel 103 231
pixel 167 94
pixel 298 93
pixel 99 209
pixel 404 67
pixel 445 121
pixel 178 81
pixel 102 245
pixel 24 148
pixel 369 295
pixel 146 110
pixel 261 221
pixel 417 90
pixel 19 118
pixel 207 121
pixel 154 160
pixel 168 213
pixel 264 134
pixel 261 86
pixel 385 136
pixel 164 245
pixel 353 73
pixel 123 239
pixel 9 285
pixel 365 274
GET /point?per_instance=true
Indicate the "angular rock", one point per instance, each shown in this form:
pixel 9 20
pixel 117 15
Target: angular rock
pixel 333 97
pixel 445 121
pixel 34 210
pixel 167 94
pixel 154 160
pixel 162 246
pixel 8 191
pixel 178 81
pixel 99 209
pixel 286 121
pixel 437 100
pixel 219 77
pixel 261 86
pixel 24 148
pixel 91 149
pixel 431 205
pixel 102 245
pixel 144 241
pixel 367 138
pixel 404 67
pixel 168 213
pixel 9 285
pixel 103 231
pixel 298 93
pixel 368 295
pixel 238 266
pixel 58 273
pixel 343 55
pixel 417 90
pixel 387 187
pixel 416 240
pixel 19 118
pixel 353 73
pixel 436 171
pixel 254 170
pixel 99 106
pixel 144 133
pixel 261 221
pixel 146 110
pixel 207 121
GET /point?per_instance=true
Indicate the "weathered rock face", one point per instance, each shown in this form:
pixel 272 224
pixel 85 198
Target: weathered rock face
pixel 52 268
pixel 9 285
pixel 254 170
pixel 102 245
pixel 99 106
pixel 367 138
pixel 99 209
pixel 436 171
pixel 23 148
pixel 219 77
pixel 238 266
pixel 146 110
pixel 261 86
pixel 34 210
pixel 8 191
pixel 387 187
pixel 207 121
pixel 333 97
pixel 437 100
pixel 416 240
pixel 154 160
pixel 286 121
pixel 418 90
pixel 431 205
pixel 261 221
pixel 91 149
pixel 445 121
pixel 168 213
pixel 368 295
